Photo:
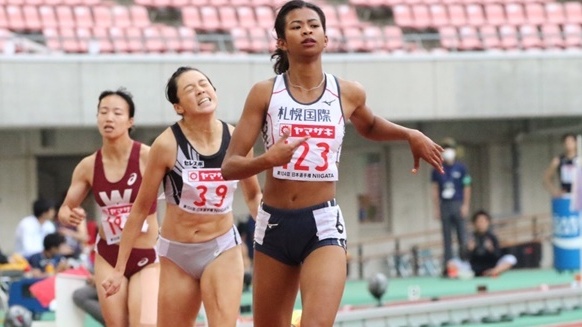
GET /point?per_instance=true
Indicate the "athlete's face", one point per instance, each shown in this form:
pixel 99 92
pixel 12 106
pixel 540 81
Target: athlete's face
pixel 113 116
pixel 570 144
pixel 304 33
pixel 481 224
pixel 196 94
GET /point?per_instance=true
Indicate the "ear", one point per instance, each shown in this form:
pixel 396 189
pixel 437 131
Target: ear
pixel 179 110
pixel 131 120
pixel 281 44
pixel 326 40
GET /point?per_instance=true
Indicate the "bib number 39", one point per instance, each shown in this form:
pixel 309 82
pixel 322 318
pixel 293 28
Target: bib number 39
pixel 220 191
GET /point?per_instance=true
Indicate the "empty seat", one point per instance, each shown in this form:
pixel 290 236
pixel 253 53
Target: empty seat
pixel 48 17
pixel 421 16
pixel 572 35
pixel 347 15
pixel 573 12
pixel 31 18
pixel 118 39
pixel 449 37
pixel 15 18
pixel 139 16
pixel 393 35
pixel 555 13
pixel 331 16
pixel 191 17
pixel 121 16
pixel 210 20
pixel 246 17
pixel 51 39
pixel 65 16
pixel 489 37
pixel 135 40
pixel 475 15
pixel 171 38
pixel 552 36
pixel 530 37
pixel 240 39
pixel 3 20
pixel 354 39
pixel 508 37
pixel 494 14
pixel 514 14
pixel 85 40
pixel 403 16
pixel 469 38
pixel 259 40
pixel 69 40
pixel 373 39
pixel 102 16
pixel 438 15
pixel 334 39
pixel 266 17
pixel 535 13
pixel 457 16
pixel 101 36
pixel 228 17
pixel 153 40
pixel 83 16
pixel 188 39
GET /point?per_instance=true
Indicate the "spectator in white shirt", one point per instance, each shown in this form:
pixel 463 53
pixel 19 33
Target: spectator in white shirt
pixel 31 230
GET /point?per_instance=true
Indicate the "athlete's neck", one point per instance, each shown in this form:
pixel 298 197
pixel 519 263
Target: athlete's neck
pixel 202 129
pixel 306 74
pixel 117 148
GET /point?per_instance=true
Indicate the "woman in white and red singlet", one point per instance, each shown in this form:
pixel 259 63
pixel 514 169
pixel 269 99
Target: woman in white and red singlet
pixel 199 245
pixel 114 174
pixel 300 236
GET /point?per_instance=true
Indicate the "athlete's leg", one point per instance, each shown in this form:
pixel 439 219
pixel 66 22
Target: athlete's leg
pixel 323 277
pixel 221 287
pixel 275 286
pixel 178 296
pixel 114 307
pixel 143 296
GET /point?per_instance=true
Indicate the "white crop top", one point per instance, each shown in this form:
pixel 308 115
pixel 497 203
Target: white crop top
pixel 323 120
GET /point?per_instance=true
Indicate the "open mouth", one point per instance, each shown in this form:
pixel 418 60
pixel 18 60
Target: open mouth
pixel 204 100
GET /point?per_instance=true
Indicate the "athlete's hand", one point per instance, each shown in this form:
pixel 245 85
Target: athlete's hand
pixel 73 217
pixel 282 151
pixel 112 283
pixel 423 147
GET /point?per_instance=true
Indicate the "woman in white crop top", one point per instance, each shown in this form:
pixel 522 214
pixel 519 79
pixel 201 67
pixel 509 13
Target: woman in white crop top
pixel 299 175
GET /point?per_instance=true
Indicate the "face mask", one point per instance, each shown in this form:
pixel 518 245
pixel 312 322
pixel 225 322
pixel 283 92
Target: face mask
pixel 449 154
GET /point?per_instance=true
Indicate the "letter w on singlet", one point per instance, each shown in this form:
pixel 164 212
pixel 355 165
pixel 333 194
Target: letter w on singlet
pixel 116 197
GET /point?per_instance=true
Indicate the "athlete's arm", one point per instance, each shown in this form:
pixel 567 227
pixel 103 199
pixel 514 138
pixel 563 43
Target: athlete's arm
pixel 236 164
pixel 70 213
pixel 379 129
pixel 549 176
pixel 252 192
pixel 155 170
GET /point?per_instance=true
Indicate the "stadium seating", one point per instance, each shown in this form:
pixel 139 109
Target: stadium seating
pixel 106 26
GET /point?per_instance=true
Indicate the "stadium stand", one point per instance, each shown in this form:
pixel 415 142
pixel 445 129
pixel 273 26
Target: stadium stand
pixel 384 26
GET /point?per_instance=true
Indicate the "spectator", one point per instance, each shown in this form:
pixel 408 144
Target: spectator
pixel 49 261
pixel 483 250
pixel 451 198
pixel 86 299
pixel 562 166
pixel 31 230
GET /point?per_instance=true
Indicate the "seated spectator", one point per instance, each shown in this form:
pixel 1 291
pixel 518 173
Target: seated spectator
pixel 483 251
pixel 49 261
pixel 31 230
pixel 86 299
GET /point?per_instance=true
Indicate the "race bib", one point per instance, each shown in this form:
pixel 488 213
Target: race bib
pixel 314 159
pixel 204 191
pixel 567 173
pixel 113 219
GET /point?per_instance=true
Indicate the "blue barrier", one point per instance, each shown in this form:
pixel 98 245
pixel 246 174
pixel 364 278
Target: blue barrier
pixel 567 237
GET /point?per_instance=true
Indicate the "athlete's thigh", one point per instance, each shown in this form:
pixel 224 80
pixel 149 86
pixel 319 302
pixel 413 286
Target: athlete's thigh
pixel 178 296
pixel 221 285
pixel 322 281
pixel 114 308
pixel 275 286
pixel 143 296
